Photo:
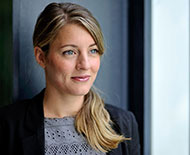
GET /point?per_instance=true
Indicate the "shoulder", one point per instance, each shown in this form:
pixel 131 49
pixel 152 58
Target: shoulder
pixel 14 110
pixel 118 113
pixel 19 109
pixel 124 121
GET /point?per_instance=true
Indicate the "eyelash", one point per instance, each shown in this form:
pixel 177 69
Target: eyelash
pixel 68 52
pixel 96 51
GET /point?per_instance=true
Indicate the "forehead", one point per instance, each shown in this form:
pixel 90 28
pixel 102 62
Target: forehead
pixel 70 33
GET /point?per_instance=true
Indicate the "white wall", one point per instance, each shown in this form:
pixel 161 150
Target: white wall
pixel 170 77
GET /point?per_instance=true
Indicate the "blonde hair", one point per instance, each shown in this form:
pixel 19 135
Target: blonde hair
pixel 93 120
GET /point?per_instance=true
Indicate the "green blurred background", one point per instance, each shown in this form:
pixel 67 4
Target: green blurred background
pixel 6 55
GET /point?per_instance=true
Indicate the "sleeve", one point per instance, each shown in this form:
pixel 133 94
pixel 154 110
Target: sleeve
pixel 125 123
pixel 1 131
pixel 1 135
pixel 2 143
pixel 134 144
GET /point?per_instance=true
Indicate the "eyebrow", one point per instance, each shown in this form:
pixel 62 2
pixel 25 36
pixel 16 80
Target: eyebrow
pixel 93 45
pixel 75 46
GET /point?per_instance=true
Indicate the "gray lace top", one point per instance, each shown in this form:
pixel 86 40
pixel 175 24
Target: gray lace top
pixel 61 138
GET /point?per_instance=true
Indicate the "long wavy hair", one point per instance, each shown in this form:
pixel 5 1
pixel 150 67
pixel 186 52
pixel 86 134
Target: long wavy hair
pixel 93 121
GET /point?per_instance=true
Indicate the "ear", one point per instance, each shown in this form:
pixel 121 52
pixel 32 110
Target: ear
pixel 40 56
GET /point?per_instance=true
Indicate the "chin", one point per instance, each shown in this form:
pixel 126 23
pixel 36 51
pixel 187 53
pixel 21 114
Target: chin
pixel 80 92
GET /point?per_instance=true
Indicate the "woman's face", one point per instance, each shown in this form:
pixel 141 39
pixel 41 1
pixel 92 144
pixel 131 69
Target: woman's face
pixel 73 61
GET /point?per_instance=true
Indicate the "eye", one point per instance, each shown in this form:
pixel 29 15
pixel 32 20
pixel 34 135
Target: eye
pixel 94 51
pixel 69 52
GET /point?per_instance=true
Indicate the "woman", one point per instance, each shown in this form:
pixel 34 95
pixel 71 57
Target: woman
pixel 68 116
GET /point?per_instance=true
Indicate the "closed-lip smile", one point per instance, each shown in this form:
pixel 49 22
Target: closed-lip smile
pixel 81 78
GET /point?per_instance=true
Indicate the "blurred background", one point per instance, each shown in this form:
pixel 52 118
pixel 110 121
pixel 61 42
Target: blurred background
pixel 145 68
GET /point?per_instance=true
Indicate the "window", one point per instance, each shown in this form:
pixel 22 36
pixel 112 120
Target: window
pixel 170 77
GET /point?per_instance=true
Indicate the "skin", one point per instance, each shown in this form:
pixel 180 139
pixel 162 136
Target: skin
pixel 70 67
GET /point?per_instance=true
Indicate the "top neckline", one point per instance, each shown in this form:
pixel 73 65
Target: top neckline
pixel 68 120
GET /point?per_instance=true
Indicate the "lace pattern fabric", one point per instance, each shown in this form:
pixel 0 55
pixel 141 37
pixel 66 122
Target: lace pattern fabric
pixel 61 138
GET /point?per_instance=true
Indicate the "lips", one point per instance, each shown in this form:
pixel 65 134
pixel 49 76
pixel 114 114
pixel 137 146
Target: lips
pixel 81 78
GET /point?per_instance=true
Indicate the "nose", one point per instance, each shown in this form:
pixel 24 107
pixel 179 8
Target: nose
pixel 83 62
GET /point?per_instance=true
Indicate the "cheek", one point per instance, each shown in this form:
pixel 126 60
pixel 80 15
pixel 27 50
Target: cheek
pixel 56 66
pixel 55 62
pixel 96 65
pixel 62 68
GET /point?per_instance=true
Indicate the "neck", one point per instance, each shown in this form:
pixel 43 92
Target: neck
pixel 59 105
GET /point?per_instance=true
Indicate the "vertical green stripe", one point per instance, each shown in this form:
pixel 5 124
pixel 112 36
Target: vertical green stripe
pixel 6 52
